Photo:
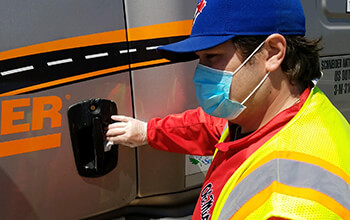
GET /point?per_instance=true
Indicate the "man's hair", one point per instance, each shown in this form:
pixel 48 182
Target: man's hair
pixel 301 62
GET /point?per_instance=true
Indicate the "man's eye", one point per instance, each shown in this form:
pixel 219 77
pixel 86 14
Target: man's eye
pixel 210 56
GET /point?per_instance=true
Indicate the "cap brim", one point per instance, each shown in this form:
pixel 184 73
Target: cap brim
pixel 185 50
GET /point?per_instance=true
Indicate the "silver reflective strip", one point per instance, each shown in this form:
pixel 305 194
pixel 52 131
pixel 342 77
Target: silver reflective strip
pixel 291 173
pixel 222 137
pixel 223 131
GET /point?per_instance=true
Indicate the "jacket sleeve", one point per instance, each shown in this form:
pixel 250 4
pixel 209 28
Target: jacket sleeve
pixel 191 132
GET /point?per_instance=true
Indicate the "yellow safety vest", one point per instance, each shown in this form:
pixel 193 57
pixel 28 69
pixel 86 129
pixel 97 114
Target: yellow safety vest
pixel 303 172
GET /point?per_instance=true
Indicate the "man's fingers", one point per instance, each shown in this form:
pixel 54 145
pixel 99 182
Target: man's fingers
pixel 121 118
pixel 127 131
pixel 117 125
pixel 115 132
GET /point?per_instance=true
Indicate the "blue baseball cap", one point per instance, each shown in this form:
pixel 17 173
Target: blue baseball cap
pixel 217 21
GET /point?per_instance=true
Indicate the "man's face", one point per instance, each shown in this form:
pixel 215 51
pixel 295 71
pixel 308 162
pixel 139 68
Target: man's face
pixel 226 57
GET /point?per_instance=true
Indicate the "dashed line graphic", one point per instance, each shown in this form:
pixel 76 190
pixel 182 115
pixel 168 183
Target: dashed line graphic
pixel 52 66
pixel 128 51
pixel 92 56
pixel 18 70
pixel 152 48
pixel 58 62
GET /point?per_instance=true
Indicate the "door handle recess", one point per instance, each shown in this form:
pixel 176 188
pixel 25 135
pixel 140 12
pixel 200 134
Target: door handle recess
pixel 87 124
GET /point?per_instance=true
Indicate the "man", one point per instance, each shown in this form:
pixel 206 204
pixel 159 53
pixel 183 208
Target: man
pixel 285 150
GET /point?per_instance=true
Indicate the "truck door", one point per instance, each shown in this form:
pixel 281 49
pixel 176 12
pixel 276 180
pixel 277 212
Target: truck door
pixel 161 88
pixel 54 54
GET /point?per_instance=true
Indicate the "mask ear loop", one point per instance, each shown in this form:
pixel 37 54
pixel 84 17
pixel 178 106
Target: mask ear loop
pixel 249 57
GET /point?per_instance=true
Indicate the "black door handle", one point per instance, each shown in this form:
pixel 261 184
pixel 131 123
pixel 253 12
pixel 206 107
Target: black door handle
pixel 87 122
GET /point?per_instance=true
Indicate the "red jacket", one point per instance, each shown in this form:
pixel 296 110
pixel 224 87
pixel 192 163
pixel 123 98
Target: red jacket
pixel 192 132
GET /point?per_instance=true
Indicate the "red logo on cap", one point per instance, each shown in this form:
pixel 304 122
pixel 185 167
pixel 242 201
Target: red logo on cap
pixel 200 7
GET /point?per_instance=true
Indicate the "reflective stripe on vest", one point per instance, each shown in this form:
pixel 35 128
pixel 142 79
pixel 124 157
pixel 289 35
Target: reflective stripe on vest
pixel 294 174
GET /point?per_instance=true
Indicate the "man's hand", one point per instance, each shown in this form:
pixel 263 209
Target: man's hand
pixel 127 131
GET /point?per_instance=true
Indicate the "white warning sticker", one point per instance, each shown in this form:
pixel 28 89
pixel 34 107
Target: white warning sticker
pixel 335 82
pixel 337 70
pixel 197 164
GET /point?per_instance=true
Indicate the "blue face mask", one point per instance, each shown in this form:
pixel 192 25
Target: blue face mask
pixel 213 89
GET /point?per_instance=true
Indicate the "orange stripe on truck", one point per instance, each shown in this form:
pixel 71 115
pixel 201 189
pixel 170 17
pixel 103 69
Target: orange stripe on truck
pixel 171 29
pixel 69 43
pixel 148 63
pixel 26 145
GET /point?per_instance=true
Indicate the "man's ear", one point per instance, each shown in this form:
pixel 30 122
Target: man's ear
pixel 276 47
